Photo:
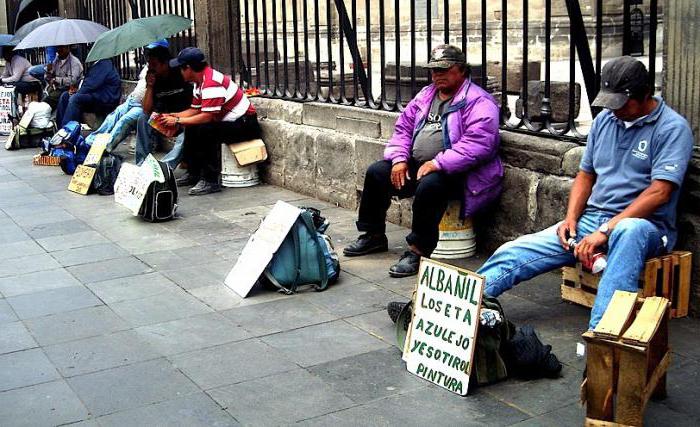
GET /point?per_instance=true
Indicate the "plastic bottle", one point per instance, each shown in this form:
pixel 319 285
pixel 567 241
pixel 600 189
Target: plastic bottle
pixel 597 263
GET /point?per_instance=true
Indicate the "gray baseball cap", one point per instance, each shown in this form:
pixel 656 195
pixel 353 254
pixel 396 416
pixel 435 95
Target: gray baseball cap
pixel 445 56
pixel 620 77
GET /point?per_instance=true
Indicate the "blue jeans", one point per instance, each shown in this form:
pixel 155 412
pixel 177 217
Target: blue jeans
pixel 146 139
pixel 631 242
pixel 119 123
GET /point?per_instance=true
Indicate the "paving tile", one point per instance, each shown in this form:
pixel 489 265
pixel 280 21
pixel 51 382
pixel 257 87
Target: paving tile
pixel 232 363
pixel 370 376
pixel 20 249
pixel 24 368
pixel 109 269
pixel 28 264
pixel 133 287
pixel 376 323
pixel 351 299
pixel 12 234
pixel 53 301
pixel 683 337
pixel 145 244
pixel 193 333
pixel 75 325
pixel 6 312
pixel 189 411
pixel 45 216
pixel 63 229
pixel 46 404
pixel 14 337
pixel 194 277
pixel 682 387
pixel 218 297
pixel 131 386
pixel 169 305
pixel 74 240
pixel 89 254
pixel 323 343
pixel 36 282
pixel 98 353
pixel 266 318
pixel 289 397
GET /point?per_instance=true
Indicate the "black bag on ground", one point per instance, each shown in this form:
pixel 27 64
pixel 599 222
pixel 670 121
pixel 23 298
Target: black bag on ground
pixel 526 356
pixel 160 202
pixel 106 174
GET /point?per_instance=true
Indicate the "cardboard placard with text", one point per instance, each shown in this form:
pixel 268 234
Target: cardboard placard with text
pixel 260 248
pixel 82 179
pixel 441 338
pixel 133 182
pixel 97 149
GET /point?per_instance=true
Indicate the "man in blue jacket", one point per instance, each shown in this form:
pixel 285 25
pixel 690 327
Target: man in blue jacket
pixel 100 92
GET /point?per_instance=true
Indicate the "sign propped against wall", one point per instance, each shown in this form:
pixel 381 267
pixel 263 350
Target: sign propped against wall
pixel 442 334
pixel 260 248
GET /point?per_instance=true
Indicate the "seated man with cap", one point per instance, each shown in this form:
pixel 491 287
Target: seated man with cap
pixel 445 146
pixel 62 75
pixel 623 199
pixel 220 113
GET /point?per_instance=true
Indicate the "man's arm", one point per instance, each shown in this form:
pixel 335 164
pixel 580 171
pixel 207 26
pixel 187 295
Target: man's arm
pixel 578 198
pixel 147 102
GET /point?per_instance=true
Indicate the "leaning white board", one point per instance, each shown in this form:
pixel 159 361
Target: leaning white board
pixel 133 181
pixel 258 252
pixel 441 338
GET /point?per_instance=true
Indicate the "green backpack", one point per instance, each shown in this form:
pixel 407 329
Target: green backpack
pixel 305 257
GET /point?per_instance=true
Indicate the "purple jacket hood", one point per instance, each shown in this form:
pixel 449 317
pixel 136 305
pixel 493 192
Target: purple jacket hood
pixel 472 141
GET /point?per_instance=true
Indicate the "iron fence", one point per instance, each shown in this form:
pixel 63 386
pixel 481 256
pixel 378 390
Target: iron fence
pixel 113 13
pixel 540 59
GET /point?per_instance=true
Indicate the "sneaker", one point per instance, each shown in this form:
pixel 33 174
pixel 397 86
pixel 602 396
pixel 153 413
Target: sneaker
pixel 394 309
pixel 186 180
pixel 407 265
pixel 204 187
pixel 367 244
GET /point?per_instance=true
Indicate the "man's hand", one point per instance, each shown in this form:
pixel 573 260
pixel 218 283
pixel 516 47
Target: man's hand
pixel 150 79
pixel 425 169
pixel 168 120
pixel 587 247
pixel 566 230
pixel 49 67
pixel 399 175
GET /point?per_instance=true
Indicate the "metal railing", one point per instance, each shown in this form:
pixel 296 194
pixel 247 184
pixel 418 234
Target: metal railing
pixel 542 63
pixel 113 13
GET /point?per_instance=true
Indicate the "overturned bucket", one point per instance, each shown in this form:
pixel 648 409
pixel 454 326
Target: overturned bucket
pixel 457 237
pixel 235 175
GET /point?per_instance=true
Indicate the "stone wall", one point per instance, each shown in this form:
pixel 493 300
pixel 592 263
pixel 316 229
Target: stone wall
pixel 323 150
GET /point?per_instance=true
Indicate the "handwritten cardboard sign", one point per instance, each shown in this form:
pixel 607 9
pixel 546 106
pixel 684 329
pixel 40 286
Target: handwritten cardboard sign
pixel 260 248
pixel 82 179
pixel 133 181
pixel 442 335
pixel 7 109
pixel 97 149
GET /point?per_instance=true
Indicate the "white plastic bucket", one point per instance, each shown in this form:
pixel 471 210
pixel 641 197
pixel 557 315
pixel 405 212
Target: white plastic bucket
pixel 457 237
pixel 233 175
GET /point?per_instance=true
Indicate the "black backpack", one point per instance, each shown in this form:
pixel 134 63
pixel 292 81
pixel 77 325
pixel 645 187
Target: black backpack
pixel 160 203
pixel 106 174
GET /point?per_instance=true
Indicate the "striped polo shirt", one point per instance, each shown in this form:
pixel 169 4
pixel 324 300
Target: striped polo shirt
pixel 219 94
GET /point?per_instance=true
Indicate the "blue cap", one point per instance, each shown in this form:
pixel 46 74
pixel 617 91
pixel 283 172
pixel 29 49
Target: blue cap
pixel 158 43
pixel 187 56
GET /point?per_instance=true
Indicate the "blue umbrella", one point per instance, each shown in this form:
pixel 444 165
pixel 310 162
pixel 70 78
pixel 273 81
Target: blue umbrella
pixel 6 40
pixel 63 32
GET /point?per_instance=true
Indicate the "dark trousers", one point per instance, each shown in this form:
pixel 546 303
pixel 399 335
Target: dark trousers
pixel 431 195
pixel 71 107
pixel 202 150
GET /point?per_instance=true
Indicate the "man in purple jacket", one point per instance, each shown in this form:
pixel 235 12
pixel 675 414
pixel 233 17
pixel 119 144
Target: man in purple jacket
pixel 445 146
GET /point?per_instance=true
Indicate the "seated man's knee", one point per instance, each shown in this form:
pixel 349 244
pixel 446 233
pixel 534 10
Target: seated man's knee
pixel 632 225
pixel 430 185
pixel 380 170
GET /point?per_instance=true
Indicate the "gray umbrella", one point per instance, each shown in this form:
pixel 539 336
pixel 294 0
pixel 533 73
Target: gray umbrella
pixel 27 28
pixel 63 32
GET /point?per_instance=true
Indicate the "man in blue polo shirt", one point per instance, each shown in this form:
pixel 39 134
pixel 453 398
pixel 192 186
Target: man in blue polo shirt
pixel 623 199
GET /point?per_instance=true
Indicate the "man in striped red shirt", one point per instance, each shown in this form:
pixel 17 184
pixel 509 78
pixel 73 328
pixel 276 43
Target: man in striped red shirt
pixel 220 113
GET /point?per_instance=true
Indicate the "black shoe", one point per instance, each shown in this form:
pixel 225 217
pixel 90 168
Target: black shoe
pixel 367 244
pixel 186 180
pixel 407 265
pixel 394 308
pixel 204 187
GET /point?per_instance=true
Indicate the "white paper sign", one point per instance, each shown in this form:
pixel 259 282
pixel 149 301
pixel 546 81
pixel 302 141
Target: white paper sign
pixel 7 99
pixel 133 181
pixel 260 248
pixel 441 338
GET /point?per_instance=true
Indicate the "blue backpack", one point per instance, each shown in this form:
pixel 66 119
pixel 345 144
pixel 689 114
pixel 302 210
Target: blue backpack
pixel 69 145
pixel 305 257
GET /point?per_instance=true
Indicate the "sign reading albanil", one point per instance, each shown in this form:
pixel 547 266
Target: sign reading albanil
pixel 442 334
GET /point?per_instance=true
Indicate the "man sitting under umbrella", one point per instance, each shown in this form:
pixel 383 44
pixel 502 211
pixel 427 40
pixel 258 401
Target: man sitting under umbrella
pixel 62 74
pixel 99 93
pixel 166 92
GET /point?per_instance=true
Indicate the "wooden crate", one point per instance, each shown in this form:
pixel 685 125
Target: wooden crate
pixel 666 276
pixel 627 356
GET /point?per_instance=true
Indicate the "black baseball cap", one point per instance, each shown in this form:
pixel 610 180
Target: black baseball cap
pixel 187 56
pixel 445 56
pixel 619 79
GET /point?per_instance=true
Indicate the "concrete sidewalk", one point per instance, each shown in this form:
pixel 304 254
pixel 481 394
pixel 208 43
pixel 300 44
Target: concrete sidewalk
pixel 109 320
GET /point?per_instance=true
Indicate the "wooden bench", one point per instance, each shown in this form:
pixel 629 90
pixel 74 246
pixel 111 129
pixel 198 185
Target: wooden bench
pixel 666 276
pixel 627 356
